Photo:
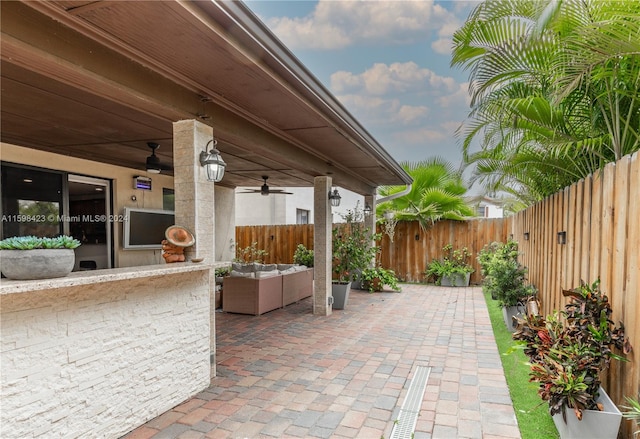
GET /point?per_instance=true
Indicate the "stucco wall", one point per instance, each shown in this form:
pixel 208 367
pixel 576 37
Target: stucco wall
pixel 99 359
pixel 122 186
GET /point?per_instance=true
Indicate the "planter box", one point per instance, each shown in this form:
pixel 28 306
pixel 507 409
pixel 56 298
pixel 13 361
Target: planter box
pixel 340 293
pixel 37 263
pixel 456 280
pixel 594 424
pixel 508 312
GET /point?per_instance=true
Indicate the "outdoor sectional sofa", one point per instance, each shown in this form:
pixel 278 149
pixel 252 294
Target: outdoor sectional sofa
pixel 259 288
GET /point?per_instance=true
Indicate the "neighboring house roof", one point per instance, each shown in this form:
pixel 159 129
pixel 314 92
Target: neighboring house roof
pixel 100 79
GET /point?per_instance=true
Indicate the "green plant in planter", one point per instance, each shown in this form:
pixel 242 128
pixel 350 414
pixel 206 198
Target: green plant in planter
pixel 303 256
pixel 504 276
pixel 353 248
pixel 222 271
pixel 632 412
pixel 34 242
pixel 375 278
pixel 568 350
pixel 250 254
pixel 454 262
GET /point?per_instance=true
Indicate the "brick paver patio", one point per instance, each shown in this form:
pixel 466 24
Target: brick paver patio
pixel 289 374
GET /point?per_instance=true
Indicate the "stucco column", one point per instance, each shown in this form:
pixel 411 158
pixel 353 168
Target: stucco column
pixel 370 220
pixel 322 246
pixel 194 201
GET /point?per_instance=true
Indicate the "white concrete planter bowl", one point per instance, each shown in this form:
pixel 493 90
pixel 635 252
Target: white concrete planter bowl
pixel 36 263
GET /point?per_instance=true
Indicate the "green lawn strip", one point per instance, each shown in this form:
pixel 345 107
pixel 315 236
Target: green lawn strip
pixel 533 415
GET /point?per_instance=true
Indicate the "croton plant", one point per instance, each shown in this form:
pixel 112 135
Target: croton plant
pixel 569 349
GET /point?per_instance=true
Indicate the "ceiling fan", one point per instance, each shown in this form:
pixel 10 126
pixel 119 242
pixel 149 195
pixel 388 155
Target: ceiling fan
pixel 265 190
pixel 154 166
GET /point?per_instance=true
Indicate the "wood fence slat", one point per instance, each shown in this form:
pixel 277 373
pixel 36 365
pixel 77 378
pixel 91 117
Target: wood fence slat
pixel 596 225
pixel 631 369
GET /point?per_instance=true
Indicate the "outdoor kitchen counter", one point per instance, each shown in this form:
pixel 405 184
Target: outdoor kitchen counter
pixel 78 278
pixel 99 353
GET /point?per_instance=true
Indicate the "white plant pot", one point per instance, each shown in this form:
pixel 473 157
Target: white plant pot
pixel 595 424
pixel 36 263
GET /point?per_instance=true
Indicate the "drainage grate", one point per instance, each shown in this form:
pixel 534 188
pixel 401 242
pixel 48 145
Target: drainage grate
pixel 408 415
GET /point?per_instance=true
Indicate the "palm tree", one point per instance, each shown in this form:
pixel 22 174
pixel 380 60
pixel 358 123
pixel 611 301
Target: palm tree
pixel 437 193
pixel 554 91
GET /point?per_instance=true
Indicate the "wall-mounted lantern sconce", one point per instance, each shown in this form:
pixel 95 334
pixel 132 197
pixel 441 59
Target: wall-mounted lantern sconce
pixel 562 237
pixel 213 163
pixel 417 237
pixel 367 209
pixel 526 236
pixel 334 198
pixel 511 237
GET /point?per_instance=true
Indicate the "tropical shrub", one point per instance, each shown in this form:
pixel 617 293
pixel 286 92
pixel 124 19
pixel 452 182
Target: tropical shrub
pixel 353 248
pixel 451 263
pixel 375 278
pixel 569 349
pixel 303 256
pixel 505 277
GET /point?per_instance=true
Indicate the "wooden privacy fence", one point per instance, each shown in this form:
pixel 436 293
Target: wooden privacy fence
pixel 599 219
pixel 413 248
pixel 280 242
pixel 408 254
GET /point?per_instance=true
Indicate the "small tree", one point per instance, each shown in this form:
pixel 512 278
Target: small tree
pixel 353 248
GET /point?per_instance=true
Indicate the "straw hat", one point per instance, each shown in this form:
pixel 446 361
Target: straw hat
pixel 179 236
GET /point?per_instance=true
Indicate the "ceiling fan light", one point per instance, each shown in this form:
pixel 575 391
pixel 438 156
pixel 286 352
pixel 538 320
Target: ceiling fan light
pixel 152 170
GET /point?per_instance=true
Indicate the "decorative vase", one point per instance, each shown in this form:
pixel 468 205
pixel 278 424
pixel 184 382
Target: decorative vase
pixel 340 293
pixel 595 424
pixel 37 263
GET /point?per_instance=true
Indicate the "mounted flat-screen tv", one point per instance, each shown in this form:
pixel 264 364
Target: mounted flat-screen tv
pixel 143 229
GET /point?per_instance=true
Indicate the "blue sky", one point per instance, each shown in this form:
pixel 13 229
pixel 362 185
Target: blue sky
pixel 387 62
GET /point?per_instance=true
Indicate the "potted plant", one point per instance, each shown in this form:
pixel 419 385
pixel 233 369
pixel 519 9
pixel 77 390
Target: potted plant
pixel 505 280
pixel 568 351
pixel 375 278
pixel 31 257
pixel 303 256
pixel 353 251
pixel 453 270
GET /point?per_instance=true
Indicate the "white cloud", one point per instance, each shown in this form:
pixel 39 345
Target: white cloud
pixel 460 98
pixel 442 46
pixel 339 24
pixel 382 79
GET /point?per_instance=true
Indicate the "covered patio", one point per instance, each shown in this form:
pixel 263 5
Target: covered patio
pixel 291 374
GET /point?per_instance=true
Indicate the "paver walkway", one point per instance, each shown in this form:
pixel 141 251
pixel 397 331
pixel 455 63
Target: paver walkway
pixel 290 374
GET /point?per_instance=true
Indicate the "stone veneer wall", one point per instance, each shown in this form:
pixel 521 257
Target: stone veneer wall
pixel 98 360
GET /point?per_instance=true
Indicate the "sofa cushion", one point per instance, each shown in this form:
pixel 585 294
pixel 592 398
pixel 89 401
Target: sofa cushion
pixel 265 274
pixel 236 273
pixel 265 267
pixel 283 267
pixel 242 268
